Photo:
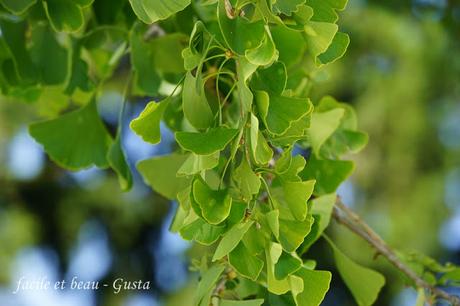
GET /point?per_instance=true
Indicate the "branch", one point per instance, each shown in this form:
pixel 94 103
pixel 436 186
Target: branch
pixel 345 216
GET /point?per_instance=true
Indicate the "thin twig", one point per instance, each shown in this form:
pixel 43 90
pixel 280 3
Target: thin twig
pixel 344 215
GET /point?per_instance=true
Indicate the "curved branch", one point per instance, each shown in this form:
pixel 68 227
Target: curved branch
pixel 345 216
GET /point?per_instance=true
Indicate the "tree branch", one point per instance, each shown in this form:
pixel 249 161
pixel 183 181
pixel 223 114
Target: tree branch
pixel 345 216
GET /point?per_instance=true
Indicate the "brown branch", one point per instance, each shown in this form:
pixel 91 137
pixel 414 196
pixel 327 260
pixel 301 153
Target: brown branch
pixel 345 216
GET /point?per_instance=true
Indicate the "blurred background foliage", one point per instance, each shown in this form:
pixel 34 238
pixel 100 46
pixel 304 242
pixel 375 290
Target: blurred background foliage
pixel 401 72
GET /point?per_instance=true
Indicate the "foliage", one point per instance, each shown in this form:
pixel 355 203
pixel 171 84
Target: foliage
pixel 240 112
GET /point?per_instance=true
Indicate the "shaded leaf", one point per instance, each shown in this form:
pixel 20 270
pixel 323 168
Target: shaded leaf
pixel 75 140
pixel 150 11
pixel 195 104
pixel 215 204
pixel 245 263
pixel 117 160
pixel 160 174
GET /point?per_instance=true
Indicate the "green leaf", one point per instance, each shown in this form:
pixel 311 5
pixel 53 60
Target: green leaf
pixel 326 10
pixel 290 44
pixel 296 195
pixel 287 264
pixel 261 151
pixel 336 50
pixel 329 174
pixel 212 141
pixel 246 180
pixel 231 239
pixel 45 46
pixel 147 124
pixel 257 302
pixel 292 282
pixel 208 281
pixel 322 126
pixel 75 140
pixel 64 15
pixel 321 209
pixel 196 106
pixel 142 59
pixel 286 7
pixel 265 53
pixel 272 79
pixel 244 262
pixel 117 160
pixel 364 283
pixel 316 285
pixel 14 35
pixel 202 232
pixel 239 34
pixel 197 163
pixel 215 204
pixel 319 36
pixel 160 174
pixel 272 219
pixel 150 11
pixel 279 112
pixel 292 233
pixel 17 7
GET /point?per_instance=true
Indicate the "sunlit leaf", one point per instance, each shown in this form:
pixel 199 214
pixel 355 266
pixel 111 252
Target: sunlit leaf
pixel 147 124
pixel 364 283
pixel 231 239
pixel 212 141
pixel 150 11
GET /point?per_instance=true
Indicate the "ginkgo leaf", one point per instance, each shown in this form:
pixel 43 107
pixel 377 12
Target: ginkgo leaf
pixel 117 160
pixel 279 112
pixel 215 204
pixel 231 239
pixel 287 264
pixel 316 285
pixel 272 79
pixel 292 233
pixel 212 141
pixel 296 195
pixel 64 15
pixel 195 104
pixel 286 7
pixel 265 53
pixel 272 219
pixel 257 302
pixel 147 124
pixel 75 140
pixel 202 232
pixel 336 50
pixel 321 209
pixel 45 46
pixel 364 283
pixel 329 174
pixel 319 36
pixel 245 263
pixel 326 10
pixel 247 181
pixel 208 279
pixel 197 163
pixel 150 11
pixel 322 126
pixel 17 6
pixel 167 184
pixel 239 33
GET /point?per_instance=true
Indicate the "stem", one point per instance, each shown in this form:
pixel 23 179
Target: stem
pixel 345 216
